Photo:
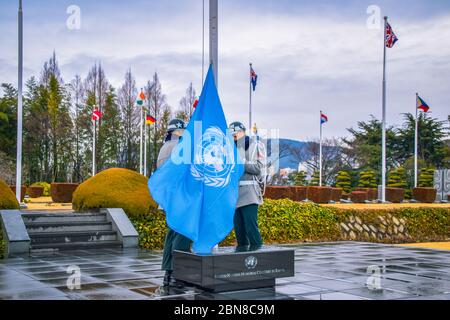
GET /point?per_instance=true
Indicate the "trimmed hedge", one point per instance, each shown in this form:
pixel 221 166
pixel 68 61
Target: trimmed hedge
pixel 115 188
pixel 426 195
pixel 298 193
pixel 395 195
pixel 35 191
pixel 278 193
pixel 62 192
pixel 286 221
pixel 359 196
pixel 336 194
pixel 45 185
pixel 7 197
pixel 319 194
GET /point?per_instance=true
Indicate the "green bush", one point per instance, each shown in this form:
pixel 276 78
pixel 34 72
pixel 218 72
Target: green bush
pixel 315 179
pixel 7 197
pixel 45 185
pixel 300 179
pixel 426 178
pixel 152 229
pixel 397 178
pixel 115 188
pixel 286 221
pixel 344 181
pixel 280 221
pixel 367 180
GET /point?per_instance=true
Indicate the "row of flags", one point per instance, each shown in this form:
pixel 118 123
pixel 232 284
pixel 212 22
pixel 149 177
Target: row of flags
pixel 421 105
pixel 149 120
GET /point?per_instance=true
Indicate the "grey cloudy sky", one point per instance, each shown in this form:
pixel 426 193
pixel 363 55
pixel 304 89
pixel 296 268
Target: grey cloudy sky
pixel 309 55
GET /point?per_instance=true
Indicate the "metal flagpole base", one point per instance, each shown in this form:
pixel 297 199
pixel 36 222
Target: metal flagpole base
pixel 23 205
pixel 383 202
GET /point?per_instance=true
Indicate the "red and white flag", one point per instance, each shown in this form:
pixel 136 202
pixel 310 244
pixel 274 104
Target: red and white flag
pixel 96 114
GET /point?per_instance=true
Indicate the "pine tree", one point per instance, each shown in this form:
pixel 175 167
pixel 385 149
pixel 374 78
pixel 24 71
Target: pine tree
pixel 367 179
pixel 426 178
pixel 397 178
pixel 315 179
pixel 344 181
pixel 300 179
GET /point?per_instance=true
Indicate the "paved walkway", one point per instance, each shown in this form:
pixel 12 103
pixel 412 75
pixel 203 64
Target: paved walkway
pixel 336 271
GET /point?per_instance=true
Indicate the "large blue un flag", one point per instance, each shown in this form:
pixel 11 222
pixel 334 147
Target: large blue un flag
pixel 198 186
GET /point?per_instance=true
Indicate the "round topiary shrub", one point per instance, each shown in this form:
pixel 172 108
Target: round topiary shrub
pixel 7 198
pixel 115 188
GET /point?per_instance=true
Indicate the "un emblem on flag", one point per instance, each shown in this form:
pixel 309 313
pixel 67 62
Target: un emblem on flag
pixel 213 159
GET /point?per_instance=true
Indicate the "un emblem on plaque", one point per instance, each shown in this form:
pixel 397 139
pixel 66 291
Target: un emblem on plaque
pixel 251 262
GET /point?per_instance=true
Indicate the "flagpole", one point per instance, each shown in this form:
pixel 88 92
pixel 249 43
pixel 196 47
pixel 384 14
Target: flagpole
pixel 250 101
pixel 320 151
pixel 145 149
pixel 203 42
pixel 383 137
pixel 416 143
pixel 19 107
pixel 214 38
pixel 93 148
pixel 140 142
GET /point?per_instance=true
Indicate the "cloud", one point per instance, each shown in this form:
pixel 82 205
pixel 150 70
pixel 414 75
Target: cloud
pixel 310 58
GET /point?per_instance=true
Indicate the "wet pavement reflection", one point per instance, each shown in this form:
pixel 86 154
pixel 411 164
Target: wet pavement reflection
pixel 328 271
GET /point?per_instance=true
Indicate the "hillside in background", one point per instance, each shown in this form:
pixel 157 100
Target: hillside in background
pixel 289 151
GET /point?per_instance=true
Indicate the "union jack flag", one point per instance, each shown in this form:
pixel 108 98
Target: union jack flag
pixel 253 78
pixel 391 38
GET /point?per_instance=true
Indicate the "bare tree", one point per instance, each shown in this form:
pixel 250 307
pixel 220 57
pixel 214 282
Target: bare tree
pixel 130 121
pixel 161 111
pixel 76 90
pixel 332 158
pixel 187 104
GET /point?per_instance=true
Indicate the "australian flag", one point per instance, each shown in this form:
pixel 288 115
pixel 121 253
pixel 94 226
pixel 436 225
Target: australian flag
pixel 253 78
pixel 391 38
pixel 198 185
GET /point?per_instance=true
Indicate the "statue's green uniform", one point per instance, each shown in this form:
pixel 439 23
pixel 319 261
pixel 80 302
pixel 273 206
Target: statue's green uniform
pixel 174 240
pixel 250 196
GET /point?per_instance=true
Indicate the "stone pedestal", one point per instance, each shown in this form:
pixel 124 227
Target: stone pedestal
pixel 228 270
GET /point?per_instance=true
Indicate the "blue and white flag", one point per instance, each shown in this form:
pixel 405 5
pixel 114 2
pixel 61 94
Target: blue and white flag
pixel 198 186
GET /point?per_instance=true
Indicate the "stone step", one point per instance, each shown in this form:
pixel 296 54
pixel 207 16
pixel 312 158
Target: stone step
pixel 54 247
pixel 61 217
pixel 67 226
pixel 70 237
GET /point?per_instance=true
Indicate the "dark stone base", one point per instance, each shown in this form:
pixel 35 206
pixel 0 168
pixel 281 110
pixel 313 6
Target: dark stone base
pixel 228 270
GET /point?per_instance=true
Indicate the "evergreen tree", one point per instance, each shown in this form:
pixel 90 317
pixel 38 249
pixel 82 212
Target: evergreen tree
pixel 426 178
pixel 8 120
pixel 300 179
pixel 344 181
pixel 315 179
pixel 397 178
pixel 431 144
pixel 367 179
